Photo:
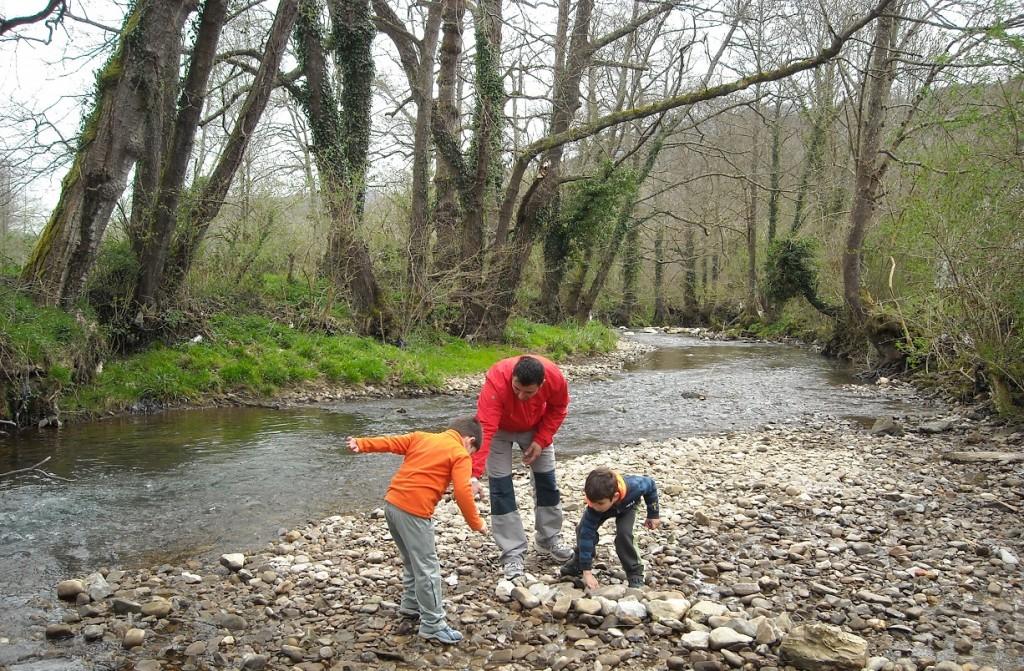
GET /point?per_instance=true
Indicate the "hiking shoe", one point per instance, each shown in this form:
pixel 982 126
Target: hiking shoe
pixel 410 613
pixel 636 580
pixel 558 550
pixel 570 569
pixel 513 568
pixel 447 636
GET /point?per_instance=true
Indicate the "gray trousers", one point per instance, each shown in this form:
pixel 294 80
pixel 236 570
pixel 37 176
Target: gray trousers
pixel 421 571
pixel 506 524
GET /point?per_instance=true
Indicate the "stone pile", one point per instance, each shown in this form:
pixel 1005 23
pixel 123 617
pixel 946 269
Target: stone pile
pixel 819 548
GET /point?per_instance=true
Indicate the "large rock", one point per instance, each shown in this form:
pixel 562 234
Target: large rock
pixel 668 609
pixel 69 589
pixel 818 646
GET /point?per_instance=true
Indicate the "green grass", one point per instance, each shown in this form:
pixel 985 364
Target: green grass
pixel 257 356
pixel 33 337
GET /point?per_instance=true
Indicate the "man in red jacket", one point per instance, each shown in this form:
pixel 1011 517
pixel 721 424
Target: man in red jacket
pixel 523 402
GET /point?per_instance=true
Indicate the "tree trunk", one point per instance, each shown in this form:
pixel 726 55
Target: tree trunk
pixel 417 58
pixel 111 141
pixel 752 198
pixel 197 220
pixel 660 308
pixel 340 145
pixel 446 120
pixel 157 229
pixel 775 177
pixel 868 165
pixel 689 274
pixel 630 276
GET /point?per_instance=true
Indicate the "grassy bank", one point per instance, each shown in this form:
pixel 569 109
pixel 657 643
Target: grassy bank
pixel 51 357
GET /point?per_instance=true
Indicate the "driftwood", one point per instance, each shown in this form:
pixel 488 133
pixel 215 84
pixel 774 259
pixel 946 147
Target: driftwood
pixel 36 469
pixel 982 457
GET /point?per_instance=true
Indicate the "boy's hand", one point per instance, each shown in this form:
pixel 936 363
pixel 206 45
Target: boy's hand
pixel 352 444
pixel 482 530
pixel 652 522
pixel 589 580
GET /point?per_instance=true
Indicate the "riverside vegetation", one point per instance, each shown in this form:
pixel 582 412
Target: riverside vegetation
pixel 57 365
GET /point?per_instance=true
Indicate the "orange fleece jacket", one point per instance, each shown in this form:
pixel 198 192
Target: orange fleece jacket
pixel 432 460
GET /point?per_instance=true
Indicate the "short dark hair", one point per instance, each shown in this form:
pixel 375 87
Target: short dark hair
pixel 468 426
pixel 601 484
pixel 528 371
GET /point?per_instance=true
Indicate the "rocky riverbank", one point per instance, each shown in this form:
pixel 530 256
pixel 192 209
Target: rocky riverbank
pixel 824 547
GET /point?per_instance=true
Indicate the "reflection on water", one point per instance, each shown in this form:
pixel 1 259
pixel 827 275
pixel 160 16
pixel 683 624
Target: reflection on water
pixel 146 489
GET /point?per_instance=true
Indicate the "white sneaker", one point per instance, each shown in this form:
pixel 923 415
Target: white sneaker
pixel 557 550
pixel 513 568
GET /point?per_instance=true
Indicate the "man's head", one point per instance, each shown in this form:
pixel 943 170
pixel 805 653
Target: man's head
pixel 602 489
pixel 527 377
pixel 469 429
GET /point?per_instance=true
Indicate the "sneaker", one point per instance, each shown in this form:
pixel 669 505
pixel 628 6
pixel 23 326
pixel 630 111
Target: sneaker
pixel 636 581
pixel 513 568
pixel 558 550
pixel 570 569
pixel 448 636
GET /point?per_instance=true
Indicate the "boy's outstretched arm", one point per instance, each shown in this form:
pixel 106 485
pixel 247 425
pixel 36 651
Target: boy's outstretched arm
pixel 396 444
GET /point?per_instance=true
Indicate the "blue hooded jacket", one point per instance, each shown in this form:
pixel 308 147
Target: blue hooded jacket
pixel 636 486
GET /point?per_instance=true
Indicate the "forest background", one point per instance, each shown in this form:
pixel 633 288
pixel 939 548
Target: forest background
pixel 263 194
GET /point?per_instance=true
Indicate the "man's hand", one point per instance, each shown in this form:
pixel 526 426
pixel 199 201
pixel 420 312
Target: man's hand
pixel 478 489
pixel 589 580
pixel 531 453
pixel 652 522
pixel 352 444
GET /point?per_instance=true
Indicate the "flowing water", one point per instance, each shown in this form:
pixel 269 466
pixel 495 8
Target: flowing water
pixel 145 490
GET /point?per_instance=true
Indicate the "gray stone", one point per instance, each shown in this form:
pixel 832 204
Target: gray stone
pixel 233 560
pixel 724 637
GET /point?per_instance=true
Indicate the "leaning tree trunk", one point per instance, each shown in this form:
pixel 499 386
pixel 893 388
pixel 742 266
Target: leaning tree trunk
pixel 197 219
pixel 869 164
pixel 111 141
pixel 155 230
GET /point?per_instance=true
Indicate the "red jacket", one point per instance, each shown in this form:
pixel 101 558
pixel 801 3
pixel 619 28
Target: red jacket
pixel 498 408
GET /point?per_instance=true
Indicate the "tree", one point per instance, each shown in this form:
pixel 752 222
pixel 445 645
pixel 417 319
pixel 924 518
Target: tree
pixel 111 141
pixel 341 136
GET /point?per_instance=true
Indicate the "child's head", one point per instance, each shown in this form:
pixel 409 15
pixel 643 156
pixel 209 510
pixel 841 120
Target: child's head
pixel 469 429
pixel 602 489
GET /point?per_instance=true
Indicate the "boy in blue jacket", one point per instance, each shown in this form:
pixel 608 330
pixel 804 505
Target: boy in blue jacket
pixel 612 495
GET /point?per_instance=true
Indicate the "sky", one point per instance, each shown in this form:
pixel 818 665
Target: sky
pixel 47 77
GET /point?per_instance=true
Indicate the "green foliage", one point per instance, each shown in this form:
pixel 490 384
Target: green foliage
pixel 789 269
pixel 591 204
pixel 560 341
pixel 956 246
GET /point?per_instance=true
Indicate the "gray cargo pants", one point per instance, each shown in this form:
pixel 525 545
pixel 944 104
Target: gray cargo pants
pixel 421 571
pixel 506 524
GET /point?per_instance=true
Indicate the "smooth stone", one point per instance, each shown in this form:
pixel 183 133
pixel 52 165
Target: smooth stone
pixel 68 590
pixel 134 638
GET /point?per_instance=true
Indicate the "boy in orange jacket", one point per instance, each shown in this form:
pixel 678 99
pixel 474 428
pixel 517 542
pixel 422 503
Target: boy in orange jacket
pixel 432 461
